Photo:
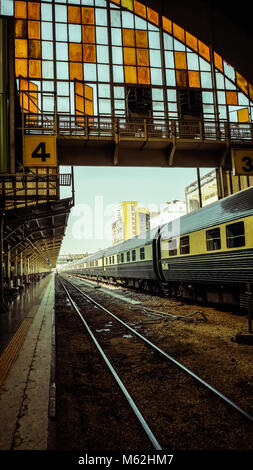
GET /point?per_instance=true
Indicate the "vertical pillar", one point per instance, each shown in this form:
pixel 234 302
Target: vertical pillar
pixel 7 264
pixel 15 272
pixel 21 270
pixel 2 302
pixel 199 188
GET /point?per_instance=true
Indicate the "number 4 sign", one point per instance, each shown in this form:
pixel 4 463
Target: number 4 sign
pixel 39 151
pixel 243 161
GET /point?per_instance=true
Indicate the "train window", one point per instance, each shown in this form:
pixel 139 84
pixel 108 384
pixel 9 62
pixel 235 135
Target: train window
pixel 122 257
pixel 110 260
pixel 184 245
pixel 118 259
pixel 133 255
pixel 142 253
pixel 106 260
pixel 213 241
pixel 128 255
pixel 96 262
pixel 235 235
pixel 113 259
pixel 173 247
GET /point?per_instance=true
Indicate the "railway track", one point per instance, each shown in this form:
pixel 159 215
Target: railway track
pixel 152 348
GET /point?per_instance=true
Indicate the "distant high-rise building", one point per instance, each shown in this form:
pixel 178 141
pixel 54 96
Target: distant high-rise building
pixel 171 210
pixel 129 221
pixel 209 192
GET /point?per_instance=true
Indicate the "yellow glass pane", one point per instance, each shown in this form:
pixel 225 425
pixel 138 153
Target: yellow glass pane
pixel 20 10
pixel 21 48
pixel 142 57
pixel 178 32
pixel 181 78
pixel 33 11
pixel 34 68
pixel 141 38
pixel 88 15
pixel 74 15
pixel 204 50
pixel 180 60
pixel 129 56
pixel 75 52
pixel 130 74
pixel 79 104
pixel 21 67
pixel 194 79
pixel 140 9
pixel 34 29
pixel 243 115
pixel 191 41
pixel 75 71
pixel 167 24
pixel 23 84
pixel 128 37
pixel 88 92
pixel 89 53
pixel 241 82
pixel 127 4
pixel 152 16
pixel 232 98
pixel 34 48
pixel 144 75
pixel 218 62
pixel 20 29
pixel 89 108
pixel 88 34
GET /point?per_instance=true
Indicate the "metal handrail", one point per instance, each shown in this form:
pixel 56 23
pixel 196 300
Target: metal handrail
pixel 92 127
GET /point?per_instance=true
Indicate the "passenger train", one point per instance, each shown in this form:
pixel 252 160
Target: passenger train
pixel 206 255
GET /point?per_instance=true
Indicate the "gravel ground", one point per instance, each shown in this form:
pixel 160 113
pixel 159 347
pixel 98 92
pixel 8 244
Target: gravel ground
pixel 178 409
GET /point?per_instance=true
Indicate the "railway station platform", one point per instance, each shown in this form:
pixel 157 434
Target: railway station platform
pixel 27 369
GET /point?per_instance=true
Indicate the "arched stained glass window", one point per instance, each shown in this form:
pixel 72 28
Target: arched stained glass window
pixel 121 58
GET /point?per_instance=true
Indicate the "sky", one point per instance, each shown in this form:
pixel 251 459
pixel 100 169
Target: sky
pixel 99 189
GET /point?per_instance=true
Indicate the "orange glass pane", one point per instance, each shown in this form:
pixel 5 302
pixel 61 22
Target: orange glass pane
pixel 194 79
pixel 75 71
pixel 79 104
pixel 232 98
pixel 180 60
pixel 74 14
pixel 140 9
pixel 34 49
pixel 75 52
pixel 34 69
pixel 241 82
pixel 243 115
pixel 181 78
pixel 34 29
pixel 129 56
pixel 79 88
pixel 142 57
pixel 130 74
pixel 24 102
pixel 21 67
pixel 218 62
pixel 20 29
pixel 178 32
pixel 88 34
pixel 204 50
pixel 116 1
pixel 127 4
pixel 33 11
pixel 251 91
pixel 128 37
pixel 89 108
pixel 144 75
pixel 89 53
pixel 191 41
pixel 20 10
pixel 141 38
pixel 88 92
pixel 21 48
pixel 23 84
pixel 167 24
pixel 152 16
pixel 88 15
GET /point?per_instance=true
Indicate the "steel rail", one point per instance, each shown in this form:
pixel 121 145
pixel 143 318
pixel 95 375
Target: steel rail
pixel 188 371
pixel 115 375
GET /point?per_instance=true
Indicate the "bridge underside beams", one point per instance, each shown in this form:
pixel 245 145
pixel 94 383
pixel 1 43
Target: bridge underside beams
pixel 78 152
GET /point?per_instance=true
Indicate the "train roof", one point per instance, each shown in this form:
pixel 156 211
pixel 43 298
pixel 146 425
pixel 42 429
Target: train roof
pixel 229 209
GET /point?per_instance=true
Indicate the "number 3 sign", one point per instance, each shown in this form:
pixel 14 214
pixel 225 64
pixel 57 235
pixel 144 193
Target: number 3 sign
pixel 243 161
pixel 39 151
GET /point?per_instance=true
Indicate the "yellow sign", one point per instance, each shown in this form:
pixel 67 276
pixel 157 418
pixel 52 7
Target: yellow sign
pixel 39 150
pixel 243 161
